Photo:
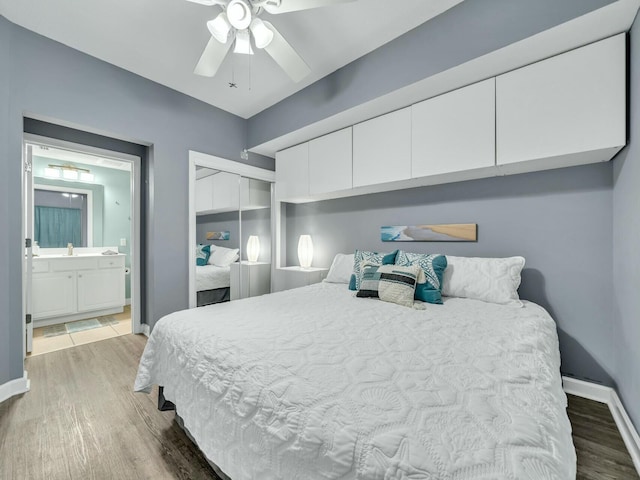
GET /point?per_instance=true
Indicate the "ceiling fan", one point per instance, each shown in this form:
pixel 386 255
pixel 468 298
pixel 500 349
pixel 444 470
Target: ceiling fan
pixel 239 21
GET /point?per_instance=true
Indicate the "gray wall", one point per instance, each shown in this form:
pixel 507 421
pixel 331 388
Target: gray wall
pixel 626 248
pixel 468 30
pixel 215 223
pixel 559 220
pixel 46 79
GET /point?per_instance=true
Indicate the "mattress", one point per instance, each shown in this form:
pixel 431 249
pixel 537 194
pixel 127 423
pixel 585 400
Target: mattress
pixel 314 383
pixel 209 277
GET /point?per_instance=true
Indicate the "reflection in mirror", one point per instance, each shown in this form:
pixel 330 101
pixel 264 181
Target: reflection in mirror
pixel 254 272
pixel 229 210
pixel 60 218
pixel 217 200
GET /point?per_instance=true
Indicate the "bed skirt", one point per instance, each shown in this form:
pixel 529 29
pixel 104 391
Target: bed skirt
pixel 217 295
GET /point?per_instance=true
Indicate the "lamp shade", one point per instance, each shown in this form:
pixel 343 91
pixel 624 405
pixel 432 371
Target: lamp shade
pixel 253 248
pixel 219 27
pixel 261 33
pixel 305 251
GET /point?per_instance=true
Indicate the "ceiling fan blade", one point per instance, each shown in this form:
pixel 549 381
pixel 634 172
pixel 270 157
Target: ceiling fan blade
pixel 295 5
pixel 286 56
pixel 212 58
pixel 209 3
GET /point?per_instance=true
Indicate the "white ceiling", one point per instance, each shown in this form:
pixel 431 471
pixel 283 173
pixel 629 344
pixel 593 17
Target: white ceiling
pixel 162 40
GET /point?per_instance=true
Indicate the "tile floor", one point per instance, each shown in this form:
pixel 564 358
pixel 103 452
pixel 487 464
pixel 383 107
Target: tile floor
pixel 42 344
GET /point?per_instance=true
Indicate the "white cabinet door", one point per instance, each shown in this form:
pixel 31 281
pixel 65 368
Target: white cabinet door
pixel 382 149
pixel 204 194
pixel 455 131
pixel 565 105
pixel 98 289
pixel 256 279
pixel 53 294
pixel 254 194
pixel 292 173
pixel 226 191
pixel 331 162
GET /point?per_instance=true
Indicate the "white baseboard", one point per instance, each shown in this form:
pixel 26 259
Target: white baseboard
pixel 127 301
pixel 14 387
pixel 146 330
pixel 608 395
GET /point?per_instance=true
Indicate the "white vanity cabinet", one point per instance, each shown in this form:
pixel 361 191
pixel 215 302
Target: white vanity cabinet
pixel 566 110
pixel 72 288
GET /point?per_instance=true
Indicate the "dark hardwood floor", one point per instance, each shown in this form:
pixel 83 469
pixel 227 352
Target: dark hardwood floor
pixel 81 420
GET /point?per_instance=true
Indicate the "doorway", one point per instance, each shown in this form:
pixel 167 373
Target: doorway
pixel 81 274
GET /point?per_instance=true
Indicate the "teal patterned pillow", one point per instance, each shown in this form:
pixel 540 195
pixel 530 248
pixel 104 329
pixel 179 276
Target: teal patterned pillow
pixel 363 257
pixel 202 254
pixel 433 267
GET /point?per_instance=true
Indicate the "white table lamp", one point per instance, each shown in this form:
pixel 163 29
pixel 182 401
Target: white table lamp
pixel 305 251
pixel 253 248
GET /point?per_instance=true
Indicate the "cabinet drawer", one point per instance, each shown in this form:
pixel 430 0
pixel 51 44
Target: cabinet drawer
pixel 66 264
pixel 111 262
pixel 40 266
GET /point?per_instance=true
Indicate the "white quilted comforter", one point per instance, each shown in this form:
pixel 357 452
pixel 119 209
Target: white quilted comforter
pixel 314 383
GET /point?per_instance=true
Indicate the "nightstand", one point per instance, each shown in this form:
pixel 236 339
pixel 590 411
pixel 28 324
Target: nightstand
pixel 256 279
pixel 287 278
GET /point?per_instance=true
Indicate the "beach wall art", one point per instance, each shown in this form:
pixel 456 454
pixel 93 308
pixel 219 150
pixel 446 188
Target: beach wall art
pixel 455 232
pixel 224 235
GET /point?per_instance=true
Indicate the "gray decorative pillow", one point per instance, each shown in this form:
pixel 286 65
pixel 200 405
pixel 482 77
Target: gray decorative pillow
pixel 363 257
pixel 390 283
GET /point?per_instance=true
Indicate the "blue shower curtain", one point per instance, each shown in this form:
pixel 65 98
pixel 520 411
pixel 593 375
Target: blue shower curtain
pixel 56 227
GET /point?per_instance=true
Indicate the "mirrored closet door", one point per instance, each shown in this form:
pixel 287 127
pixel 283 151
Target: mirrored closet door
pixel 251 277
pixel 233 233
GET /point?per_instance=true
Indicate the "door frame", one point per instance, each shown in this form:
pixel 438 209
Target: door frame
pixel 199 159
pixel 136 217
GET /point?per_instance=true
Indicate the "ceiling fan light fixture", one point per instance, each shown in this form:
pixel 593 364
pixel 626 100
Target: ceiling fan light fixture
pixel 261 33
pixel 239 14
pixel 243 43
pixel 220 27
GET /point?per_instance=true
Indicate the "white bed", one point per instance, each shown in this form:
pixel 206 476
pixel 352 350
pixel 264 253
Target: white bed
pixel 210 277
pixel 314 383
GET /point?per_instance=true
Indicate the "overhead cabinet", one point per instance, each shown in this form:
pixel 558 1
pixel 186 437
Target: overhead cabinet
pixel 382 149
pixel 455 131
pixel 292 173
pixel 330 164
pixel 228 192
pixel 566 110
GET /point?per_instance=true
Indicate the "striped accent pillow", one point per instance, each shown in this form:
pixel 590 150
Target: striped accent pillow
pixel 390 283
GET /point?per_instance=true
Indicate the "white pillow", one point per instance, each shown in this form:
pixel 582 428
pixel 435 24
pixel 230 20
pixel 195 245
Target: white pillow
pixel 223 256
pixel 494 280
pixel 341 269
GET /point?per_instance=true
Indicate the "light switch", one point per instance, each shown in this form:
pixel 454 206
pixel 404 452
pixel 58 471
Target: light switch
pixel 123 242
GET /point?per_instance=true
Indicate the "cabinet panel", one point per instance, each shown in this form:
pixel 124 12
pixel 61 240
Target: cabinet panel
pixel 256 279
pixel 99 289
pixel 254 194
pixel 226 191
pixel 53 294
pixel 571 103
pixel 454 131
pixel 204 194
pixel 382 149
pixel 331 162
pixel 292 172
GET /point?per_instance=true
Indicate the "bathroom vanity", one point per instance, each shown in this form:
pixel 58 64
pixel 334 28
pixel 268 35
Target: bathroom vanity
pixel 85 285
